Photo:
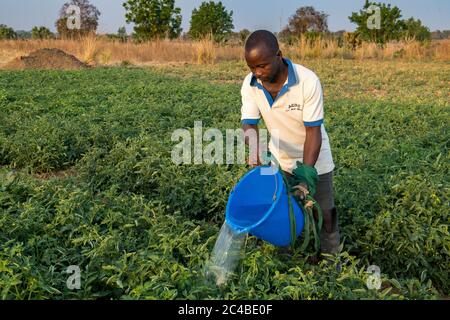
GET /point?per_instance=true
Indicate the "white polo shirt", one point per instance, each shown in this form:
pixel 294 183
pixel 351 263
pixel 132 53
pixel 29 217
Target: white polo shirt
pixel 298 104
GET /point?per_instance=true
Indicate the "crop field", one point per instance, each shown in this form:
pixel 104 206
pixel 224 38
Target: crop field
pixel 87 180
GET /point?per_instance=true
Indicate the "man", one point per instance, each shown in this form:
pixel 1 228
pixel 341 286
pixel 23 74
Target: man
pixel 289 99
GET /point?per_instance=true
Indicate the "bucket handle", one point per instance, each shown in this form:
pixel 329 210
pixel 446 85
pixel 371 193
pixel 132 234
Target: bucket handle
pixel 267 156
pixel 274 197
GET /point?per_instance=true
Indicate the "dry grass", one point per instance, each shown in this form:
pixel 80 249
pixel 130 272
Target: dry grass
pixel 206 51
pixel 101 51
pixel 407 49
pixel 320 48
pixel 98 51
pixel 89 50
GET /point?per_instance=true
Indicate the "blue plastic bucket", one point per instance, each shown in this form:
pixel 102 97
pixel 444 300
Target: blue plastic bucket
pixel 258 204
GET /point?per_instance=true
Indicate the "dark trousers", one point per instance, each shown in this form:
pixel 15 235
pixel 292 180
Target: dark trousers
pixel 325 198
pixel 329 234
pixel 324 191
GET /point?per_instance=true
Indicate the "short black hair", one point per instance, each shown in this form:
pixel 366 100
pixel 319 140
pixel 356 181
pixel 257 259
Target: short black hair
pixel 262 38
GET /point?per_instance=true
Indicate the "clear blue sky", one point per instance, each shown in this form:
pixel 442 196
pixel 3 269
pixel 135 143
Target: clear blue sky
pixel 250 14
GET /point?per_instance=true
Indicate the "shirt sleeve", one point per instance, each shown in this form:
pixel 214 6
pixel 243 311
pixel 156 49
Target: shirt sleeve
pixel 313 104
pixel 249 111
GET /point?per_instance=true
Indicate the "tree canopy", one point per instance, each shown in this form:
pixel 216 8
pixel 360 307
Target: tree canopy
pixel 211 18
pixel 75 23
pixel 153 18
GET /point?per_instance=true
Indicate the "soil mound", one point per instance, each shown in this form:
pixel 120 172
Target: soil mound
pixel 47 59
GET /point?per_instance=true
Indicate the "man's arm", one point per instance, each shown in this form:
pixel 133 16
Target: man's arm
pixel 312 119
pixel 250 117
pixel 313 142
pixel 311 150
pixel 251 138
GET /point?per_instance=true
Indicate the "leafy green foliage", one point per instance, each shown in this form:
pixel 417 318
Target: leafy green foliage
pixel 7 33
pixel 41 33
pixel 390 24
pixel 141 227
pixel 153 18
pixel 122 34
pixel 413 29
pixel 211 18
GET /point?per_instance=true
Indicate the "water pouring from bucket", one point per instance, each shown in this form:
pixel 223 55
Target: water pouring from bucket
pixel 226 255
pixel 259 205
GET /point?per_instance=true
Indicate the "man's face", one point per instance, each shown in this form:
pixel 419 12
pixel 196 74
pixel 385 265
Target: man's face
pixel 264 64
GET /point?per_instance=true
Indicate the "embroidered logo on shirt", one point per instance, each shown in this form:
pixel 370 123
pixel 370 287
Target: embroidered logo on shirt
pixel 294 106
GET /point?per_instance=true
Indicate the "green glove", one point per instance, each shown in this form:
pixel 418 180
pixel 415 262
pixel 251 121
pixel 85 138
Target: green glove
pixel 304 174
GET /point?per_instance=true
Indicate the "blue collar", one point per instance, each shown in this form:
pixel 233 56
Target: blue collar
pixel 292 78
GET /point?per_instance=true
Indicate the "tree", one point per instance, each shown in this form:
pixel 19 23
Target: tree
pixel 439 35
pixel 41 33
pixel 23 35
pixel 7 33
pixel 87 17
pixel 378 22
pixel 306 19
pixel 243 35
pixel 122 34
pixel 413 29
pixel 154 18
pixel 211 18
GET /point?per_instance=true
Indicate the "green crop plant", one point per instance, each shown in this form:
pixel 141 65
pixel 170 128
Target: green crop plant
pixel 141 227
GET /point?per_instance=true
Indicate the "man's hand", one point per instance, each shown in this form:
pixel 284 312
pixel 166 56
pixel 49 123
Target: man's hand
pixel 303 180
pixel 253 161
pixel 301 191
